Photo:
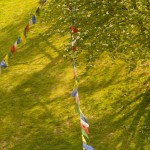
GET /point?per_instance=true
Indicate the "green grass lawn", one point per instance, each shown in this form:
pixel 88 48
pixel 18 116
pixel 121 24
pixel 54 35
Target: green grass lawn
pixel 36 110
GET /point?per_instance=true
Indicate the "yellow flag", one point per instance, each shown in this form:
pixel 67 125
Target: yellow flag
pixel 83 139
pixel 75 85
pixel 6 59
pixel 23 38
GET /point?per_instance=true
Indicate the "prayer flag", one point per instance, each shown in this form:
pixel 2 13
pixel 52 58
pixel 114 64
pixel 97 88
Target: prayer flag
pixel 18 40
pixel 87 147
pixel 73 42
pixel 85 129
pixel 73 65
pixel 73 29
pixel 83 139
pixel 3 64
pixel 77 98
pixel 27 28
pixel 83 118
pixel 84 123
pixel 15 44
pixel 9 55
pixel 13 48
pixel 84 133
pixel 6 59
pixel 74 48
pixel 33 19
pixel 38 11
pixel 23 38
pixel 74 93
pixel 25 33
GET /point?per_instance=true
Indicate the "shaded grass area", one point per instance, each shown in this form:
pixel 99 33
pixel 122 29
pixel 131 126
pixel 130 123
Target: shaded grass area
pixel 36 109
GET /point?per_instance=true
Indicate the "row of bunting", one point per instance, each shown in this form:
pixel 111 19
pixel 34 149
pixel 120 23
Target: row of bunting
pixel 83 121
pixel 22 38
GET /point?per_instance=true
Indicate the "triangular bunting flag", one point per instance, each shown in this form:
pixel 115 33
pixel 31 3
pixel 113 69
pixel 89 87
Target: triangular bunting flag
pixel 23 38
pixel 6 59
pixel 83 118
pixel 38 11
pixel 15 44
pixel 27 28
pixel 77 98
pixel 18 40
pixel 84 123
pixel 85 134
pixel 73 42
pixel 74 93
pixel 83 139
pixel 85 129
pixel 87 147
pixel 9 55
pixel 3 64
pixel 13 48
pixel 73 29
pixel 78 108
pixel 74 48
pixel 25 33
pixel 33 19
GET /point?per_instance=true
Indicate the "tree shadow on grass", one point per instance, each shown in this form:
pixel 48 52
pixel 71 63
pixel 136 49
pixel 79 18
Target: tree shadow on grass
pixel 35 116
pixel 125 128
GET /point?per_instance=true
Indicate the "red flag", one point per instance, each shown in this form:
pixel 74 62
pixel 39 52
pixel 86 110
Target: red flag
pixel 13 49
pixel 74 48
pixel 85 129
pixel 27 28
pixel 73 29
pixel 77 99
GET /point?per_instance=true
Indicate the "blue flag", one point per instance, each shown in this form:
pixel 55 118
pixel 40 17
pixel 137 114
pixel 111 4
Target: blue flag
pixel 18 40
pixel 33 19
pixel 83 118
pixel 74 93
pixel 3 64
pixel 87 147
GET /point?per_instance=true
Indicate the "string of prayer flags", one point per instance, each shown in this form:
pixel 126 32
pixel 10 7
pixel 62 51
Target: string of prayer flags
pixel 22 38
pixel 83 121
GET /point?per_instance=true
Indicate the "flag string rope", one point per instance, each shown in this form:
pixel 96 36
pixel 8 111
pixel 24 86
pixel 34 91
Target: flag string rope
pixel 83 121
pixel 22 38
